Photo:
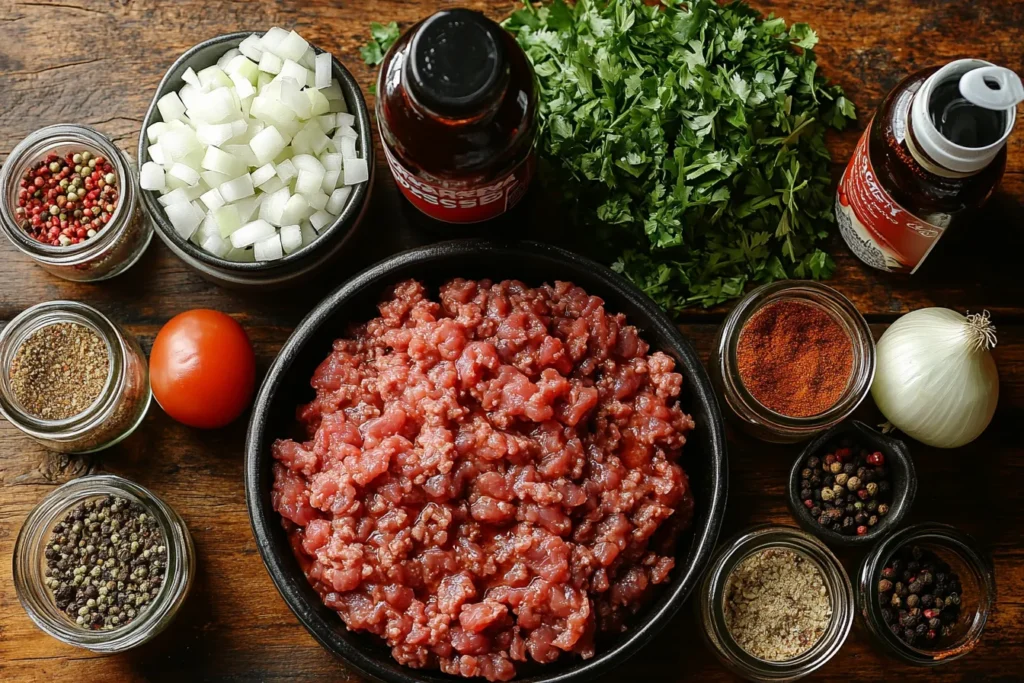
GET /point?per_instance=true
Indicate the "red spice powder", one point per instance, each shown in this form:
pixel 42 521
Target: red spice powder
pixel 794 358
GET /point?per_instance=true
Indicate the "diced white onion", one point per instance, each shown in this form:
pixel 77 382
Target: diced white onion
pixel 187 175
pixel 171 107
pixel 292 47
pixel 183 217
pixel 356 171
pixel 272 185
pixel 267 144
pixel 236 189
pixel 268 249
pixel 291 238
pixel 271 63
pixel 347 147
pixel 215 134
pixel 320 220
pixel 176 196
pixel 286 170
pixel 333 91
pixel 336 202
pixel 330 182
pixel 155 130
pixel 216 246
pixel 250 233
pixel 323 70
pixel 294 71
pixel 345 120
pixel 151 176
pixel 263 174
pixel 213 199
pixel 227 219
pixel 251 48
pixel 271 40
pixel 294 211
pixel 217 160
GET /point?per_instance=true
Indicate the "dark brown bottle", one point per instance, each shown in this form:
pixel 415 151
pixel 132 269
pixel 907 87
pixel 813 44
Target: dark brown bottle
pixel 932 155
pixel 457 109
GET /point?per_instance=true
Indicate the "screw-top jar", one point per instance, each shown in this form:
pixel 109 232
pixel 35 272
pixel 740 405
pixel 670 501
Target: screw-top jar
pixel 116 246
pixel 30 577
pixel 120 405
pixel 713 590
pixel 740 403
pixel 457 108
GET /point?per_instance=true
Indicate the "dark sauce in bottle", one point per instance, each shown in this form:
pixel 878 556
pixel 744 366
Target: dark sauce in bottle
pixel 457 110
pixel 916 174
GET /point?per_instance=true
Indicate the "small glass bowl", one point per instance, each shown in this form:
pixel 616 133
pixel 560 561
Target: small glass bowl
pixel 117 246
pixel 749 413
pixel 29 564
pixel 711 609
pixel 977 579
pixel 117 411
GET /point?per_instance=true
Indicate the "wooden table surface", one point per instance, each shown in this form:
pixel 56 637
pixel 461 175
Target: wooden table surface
pixel 98 62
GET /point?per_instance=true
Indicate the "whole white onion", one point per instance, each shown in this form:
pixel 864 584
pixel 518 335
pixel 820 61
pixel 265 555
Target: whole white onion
pixel 935 378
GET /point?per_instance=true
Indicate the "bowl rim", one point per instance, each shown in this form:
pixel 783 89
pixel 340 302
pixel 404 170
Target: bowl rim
pixel 342 226
pixel 895 451
pixel 677 591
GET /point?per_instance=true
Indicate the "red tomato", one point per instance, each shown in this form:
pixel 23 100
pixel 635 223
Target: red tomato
pixel 202 369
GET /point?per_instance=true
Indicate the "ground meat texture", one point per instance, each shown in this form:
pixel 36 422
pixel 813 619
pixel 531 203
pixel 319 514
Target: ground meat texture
pixel 490 479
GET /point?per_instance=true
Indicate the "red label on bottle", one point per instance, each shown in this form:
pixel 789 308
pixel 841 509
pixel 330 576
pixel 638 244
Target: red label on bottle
pixel 879 231
pixel 457 203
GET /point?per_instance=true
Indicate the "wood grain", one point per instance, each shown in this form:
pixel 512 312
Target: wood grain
pixel 98 62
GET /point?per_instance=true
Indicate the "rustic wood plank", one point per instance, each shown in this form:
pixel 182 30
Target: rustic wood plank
pixel 98 62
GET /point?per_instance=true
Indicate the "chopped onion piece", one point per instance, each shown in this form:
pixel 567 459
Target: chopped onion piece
pixel 250 233
pixel 317 200
pixel 176 196
pixel 333 91
pixel 215 134
pixel 294 211
pixel 332 161
pixel 227 57
pixel 227 219
pixel 237 189
pixel 292 97
pixel 216 246
pixel 309 59
pixel 247 207
pixel 171 107
pixel 346 132
pixel 263 174
pixel 293 71
pixel 220 161
pixel 213 77
pixel 243 88
pixel 274 205
pixel 154 132
pixel 271 63
pixel 184 218
pixel 243 153
pixel 268 249
pixel 241 256
pixel 328 122
pixel 272 185
pixel 251 48
pixel 178 143
pixel 214 179
pixel 307 162
pixel 319 105
pixel 292 47
pixel 271 40
pixel 356 171
pixel 345 120
pixel 187 175
pixel 244 67
pixel 291 238
pixel 213 199
pixel 337 200
pixel 151 176
pixel 347 147
pixel 321 219
pixel 309 180
pixel 330 182
pixel 323 70
pixel 267 144
pixel 286 170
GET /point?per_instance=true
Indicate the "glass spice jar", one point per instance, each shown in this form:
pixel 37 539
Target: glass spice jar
pixel 116 246
pixel 965 558
pixel 710 605
pixel 29 565
pixel 121 404
pixel 759 420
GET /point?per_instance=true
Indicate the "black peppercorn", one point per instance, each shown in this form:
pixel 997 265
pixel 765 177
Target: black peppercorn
pixel 884 586
pixel 805 494
pixel 922 604
pixel 814 462
pixel 806 473
pixel 913 600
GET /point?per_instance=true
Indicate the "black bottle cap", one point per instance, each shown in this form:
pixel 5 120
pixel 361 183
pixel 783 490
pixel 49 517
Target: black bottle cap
pixel 457 63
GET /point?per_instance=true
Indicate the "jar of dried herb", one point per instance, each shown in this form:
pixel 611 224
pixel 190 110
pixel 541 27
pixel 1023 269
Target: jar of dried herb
pixel 70 378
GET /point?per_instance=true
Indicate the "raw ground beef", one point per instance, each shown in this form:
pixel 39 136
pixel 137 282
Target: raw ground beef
pixel 489 480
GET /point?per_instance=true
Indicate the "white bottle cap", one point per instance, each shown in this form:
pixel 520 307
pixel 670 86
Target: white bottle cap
pixel 974 76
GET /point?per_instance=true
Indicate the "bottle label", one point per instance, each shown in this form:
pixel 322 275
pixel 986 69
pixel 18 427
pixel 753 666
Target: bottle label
pixel 879 231
pixel 459 203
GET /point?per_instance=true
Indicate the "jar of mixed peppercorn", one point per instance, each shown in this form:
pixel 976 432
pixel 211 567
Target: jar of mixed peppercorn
pixel 69 200
pixel 103 564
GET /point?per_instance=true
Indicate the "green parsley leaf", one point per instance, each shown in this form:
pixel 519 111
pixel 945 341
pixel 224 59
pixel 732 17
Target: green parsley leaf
pixel 383 36
pixel 689 138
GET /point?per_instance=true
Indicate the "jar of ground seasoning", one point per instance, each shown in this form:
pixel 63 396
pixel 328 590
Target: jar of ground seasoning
pixel 103 564
pixel 792 359
pixel 70 378
pixel 69 200
pixel 775 604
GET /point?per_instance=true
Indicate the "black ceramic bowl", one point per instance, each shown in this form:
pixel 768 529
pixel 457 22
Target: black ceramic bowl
pixel 296 266
pixel 902 478
pixel 287 385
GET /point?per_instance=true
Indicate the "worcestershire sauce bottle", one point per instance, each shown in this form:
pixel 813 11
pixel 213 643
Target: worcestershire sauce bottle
pixel 931 156
pixel 457 110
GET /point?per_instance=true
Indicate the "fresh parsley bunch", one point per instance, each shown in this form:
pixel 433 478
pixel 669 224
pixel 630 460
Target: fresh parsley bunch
pixel 690 137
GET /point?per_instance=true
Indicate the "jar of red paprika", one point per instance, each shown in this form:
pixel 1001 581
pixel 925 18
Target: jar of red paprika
pixel 457 105
pixel 84 225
